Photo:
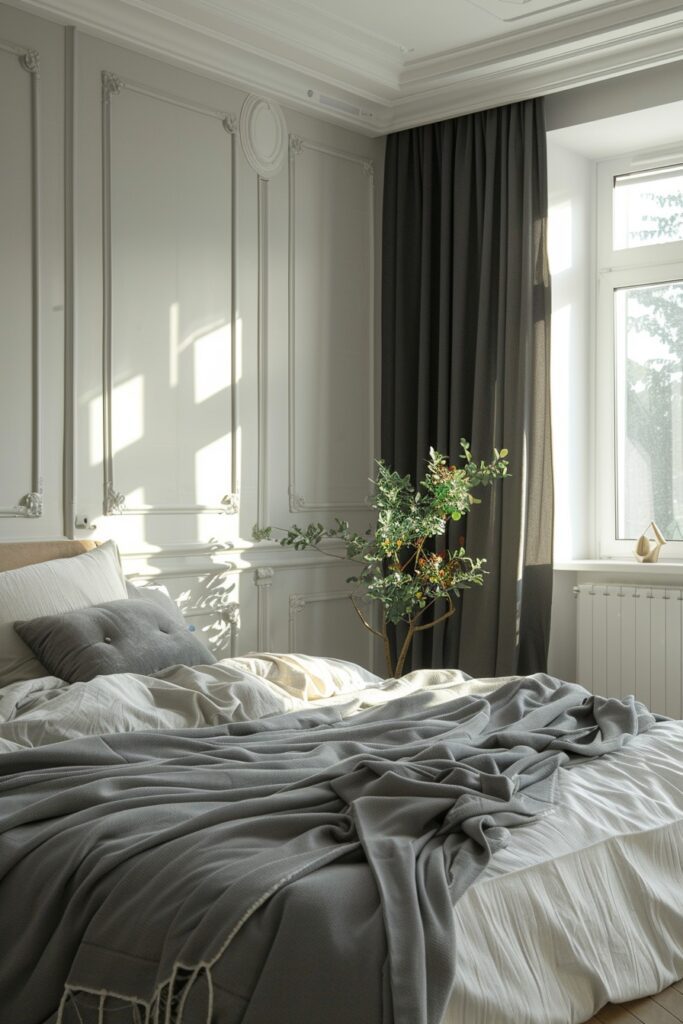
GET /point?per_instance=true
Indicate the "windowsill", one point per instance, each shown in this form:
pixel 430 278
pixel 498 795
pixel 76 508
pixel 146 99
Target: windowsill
pixel 665 567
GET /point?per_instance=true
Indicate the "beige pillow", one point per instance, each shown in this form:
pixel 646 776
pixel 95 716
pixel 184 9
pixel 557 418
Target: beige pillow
pixel 50 588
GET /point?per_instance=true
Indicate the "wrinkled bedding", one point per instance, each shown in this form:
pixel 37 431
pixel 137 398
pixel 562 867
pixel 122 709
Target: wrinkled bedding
pixel 513 948
pixel 377 812
pixel 48 710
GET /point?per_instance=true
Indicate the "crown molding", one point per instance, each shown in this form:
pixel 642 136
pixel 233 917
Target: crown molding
pixel 322 65
pixel 231 59
pixel 618 17
pixel 545 70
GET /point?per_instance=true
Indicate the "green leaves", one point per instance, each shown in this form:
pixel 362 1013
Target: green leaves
pixel 261 533
pixel 398 564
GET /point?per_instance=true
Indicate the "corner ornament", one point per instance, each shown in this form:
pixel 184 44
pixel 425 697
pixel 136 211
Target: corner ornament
pixel 230 123
pixel 296 145
pixel 297 503
pixel 32 503
pixel 30 61
pixel 297 603
pixel 231 615
pixel 111 85
pixel 115 502
pixel 231 503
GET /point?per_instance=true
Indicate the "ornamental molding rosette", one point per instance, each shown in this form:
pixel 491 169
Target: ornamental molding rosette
pixel 30 61
pixel 263 576
pixel 297 603
pixel 263 134
pixel 297 503
pixel 231 503
pixel 111 85
pixel 115 502
pixel 231 615
pixel 296 145
pixel 230 123
pixel 33 503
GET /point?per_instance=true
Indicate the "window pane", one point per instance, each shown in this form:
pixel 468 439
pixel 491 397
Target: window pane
pixel 649 376
pixel 648 207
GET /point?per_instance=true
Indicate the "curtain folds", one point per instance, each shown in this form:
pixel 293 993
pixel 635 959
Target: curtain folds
pixel 466 353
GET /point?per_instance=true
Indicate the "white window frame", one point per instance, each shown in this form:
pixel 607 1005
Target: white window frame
pixel 621 268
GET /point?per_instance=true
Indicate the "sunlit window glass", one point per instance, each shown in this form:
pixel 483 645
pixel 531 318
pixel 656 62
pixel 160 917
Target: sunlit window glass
pixel 648 207
pixel 649 428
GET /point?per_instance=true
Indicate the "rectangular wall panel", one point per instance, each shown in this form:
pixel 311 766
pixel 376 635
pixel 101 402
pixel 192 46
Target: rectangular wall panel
pixel 331 328
pixel 327 625
pixel 20 483
pixel 168 409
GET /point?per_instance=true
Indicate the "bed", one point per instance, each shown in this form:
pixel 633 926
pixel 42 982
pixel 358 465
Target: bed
pixel 581 902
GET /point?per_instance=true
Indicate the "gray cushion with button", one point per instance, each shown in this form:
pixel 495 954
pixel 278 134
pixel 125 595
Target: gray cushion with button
pixel 131 635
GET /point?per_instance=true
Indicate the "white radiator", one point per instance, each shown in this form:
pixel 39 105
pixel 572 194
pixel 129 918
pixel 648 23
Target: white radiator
pixel 630 640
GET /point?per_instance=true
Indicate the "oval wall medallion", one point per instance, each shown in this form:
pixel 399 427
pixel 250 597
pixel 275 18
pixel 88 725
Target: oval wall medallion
pixel 263 133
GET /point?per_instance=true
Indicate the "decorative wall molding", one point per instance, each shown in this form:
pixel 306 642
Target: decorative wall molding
pixel 263 579
pixel 297 145
pixel 111 85
pixel 263 133
pixel 231 123
pixel 30 506
pixel 231 621
pixel 262 515
pixel 114 502
pixel 529 64
pixel 30 61
pixel 70 278
pixel 327 67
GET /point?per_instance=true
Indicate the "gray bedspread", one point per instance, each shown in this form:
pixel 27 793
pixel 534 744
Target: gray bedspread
pixel 298 869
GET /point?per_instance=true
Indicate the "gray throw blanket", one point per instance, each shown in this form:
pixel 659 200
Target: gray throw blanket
pixel 297 869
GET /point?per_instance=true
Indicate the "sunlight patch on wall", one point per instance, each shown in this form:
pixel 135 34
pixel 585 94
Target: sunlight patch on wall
pixel 128 418
pixel 211 354
pixel 210 462
pixel 560 254
pixel 567 500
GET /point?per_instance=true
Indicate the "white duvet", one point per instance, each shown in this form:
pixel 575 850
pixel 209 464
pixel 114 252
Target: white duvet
pixel 583 906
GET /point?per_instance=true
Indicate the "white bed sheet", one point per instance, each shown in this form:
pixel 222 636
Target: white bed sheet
pixel 584 906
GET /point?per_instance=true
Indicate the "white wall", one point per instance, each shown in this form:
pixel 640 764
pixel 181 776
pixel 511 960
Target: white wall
pixel 208 333
pixel 618 95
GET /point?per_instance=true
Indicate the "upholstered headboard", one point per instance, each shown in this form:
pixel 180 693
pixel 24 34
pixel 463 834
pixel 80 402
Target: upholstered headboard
pixel 16 555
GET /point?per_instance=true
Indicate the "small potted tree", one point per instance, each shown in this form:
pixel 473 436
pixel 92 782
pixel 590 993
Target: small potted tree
pixel 397 565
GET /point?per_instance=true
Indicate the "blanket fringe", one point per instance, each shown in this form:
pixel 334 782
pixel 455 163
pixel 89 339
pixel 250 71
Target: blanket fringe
pixel 141 1012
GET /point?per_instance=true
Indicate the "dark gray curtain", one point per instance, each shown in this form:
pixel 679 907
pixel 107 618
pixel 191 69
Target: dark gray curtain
pixel 466 353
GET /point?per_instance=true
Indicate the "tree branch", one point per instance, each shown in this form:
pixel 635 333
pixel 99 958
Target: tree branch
pixel 382 636
pixel 442 618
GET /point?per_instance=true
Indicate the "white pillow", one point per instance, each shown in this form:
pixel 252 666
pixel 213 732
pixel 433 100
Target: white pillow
pixel 50 588
pixel 306 676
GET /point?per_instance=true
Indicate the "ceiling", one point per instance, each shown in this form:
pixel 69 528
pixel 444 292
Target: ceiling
pixel 384 65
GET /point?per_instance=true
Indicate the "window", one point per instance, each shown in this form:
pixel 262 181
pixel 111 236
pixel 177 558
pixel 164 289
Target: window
pixel 639 392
